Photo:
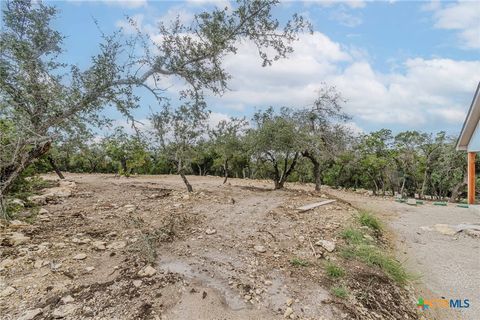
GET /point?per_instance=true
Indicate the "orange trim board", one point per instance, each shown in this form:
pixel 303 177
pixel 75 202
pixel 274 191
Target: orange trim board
pixel 471 177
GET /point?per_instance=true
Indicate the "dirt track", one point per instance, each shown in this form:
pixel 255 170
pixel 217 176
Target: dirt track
pixel 446 265
pixel 223 252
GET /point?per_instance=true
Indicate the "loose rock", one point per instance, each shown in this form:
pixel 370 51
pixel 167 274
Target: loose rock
pixel 39 263
pixel 30 314
pixel 148 271
pixel 288 312
pixel 63 311
pixel 17 238
pixel 260 249
pixel 67 299
pixel 210 231
pixel 39 200
pixel 80 256
pixel 368 237
pixel 4 264
pixel 99 245
pixel 18 202
pixel 117 245
pixel 7 291
pixel 445 229
pixel 327 245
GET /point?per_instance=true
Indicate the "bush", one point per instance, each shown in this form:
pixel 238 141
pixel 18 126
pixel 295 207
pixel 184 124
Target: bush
pixel 368 220
pixel 298 262
pixel 374 257
pixel 340 292
pixel 333 270
pixel 352 236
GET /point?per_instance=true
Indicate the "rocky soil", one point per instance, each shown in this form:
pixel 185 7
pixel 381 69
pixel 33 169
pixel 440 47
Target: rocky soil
pixel 101 247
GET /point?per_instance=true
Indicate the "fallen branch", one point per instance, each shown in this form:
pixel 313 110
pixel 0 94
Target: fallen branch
pixel 314 205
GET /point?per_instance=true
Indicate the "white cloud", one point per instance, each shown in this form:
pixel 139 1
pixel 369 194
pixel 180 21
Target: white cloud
pixel 419 95
pixel 463 17
pixel 354 4
pixel 451 115
pixel 345 18
pixel 418 92
pixel 185 16
pixel 216 117
pixel 129 4
pixel 354 128
pixel 218 3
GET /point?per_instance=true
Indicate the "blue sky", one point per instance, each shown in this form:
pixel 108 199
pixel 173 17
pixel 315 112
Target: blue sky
pixel 404 65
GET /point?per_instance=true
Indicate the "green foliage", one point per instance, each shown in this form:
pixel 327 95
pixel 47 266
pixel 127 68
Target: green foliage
pixel 23 187
pixel 333 270
pixel 275 143
pixel 373 256
pixel 128 151
pixel 297 262
pixel 339 292
pixel 229 145
pixel 352 235
pixel 368 220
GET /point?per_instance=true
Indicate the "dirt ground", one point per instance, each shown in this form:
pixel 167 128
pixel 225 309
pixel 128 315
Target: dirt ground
pixel 447 263
pixel 143 248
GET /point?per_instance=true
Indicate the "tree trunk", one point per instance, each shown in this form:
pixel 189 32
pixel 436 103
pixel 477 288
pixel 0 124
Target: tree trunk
pixel 375 191
pixel 456 189
pixel 316 169
pixel 278 184
pixel 93 166
pixel 280 180
pixel 184 178
pixel 403 187
pixel 225 169
pixel 424 184
pixel 9 173
pixel 3 209
pixel 55 168
pixel 123 163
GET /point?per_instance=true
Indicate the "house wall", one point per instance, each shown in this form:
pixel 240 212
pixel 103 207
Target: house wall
pixel 474 144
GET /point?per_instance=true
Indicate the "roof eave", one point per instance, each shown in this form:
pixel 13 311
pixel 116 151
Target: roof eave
pixel 463 145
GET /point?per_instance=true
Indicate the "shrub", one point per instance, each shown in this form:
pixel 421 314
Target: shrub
pixel 333 270
pixel 374 257
pixel 352 235
pixel 298 262
pixel 340 292
pixel 368 220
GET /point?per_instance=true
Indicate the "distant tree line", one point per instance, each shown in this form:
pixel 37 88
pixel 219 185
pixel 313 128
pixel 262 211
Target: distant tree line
pixel 309 144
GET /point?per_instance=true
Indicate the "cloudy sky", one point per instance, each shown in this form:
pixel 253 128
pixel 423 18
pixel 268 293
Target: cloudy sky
pixel 400 64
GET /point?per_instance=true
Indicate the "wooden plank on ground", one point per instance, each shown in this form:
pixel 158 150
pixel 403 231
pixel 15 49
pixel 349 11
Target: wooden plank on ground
pixel 314 205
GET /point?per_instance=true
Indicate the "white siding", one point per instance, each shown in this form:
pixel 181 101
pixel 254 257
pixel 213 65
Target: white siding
pixel 474 144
